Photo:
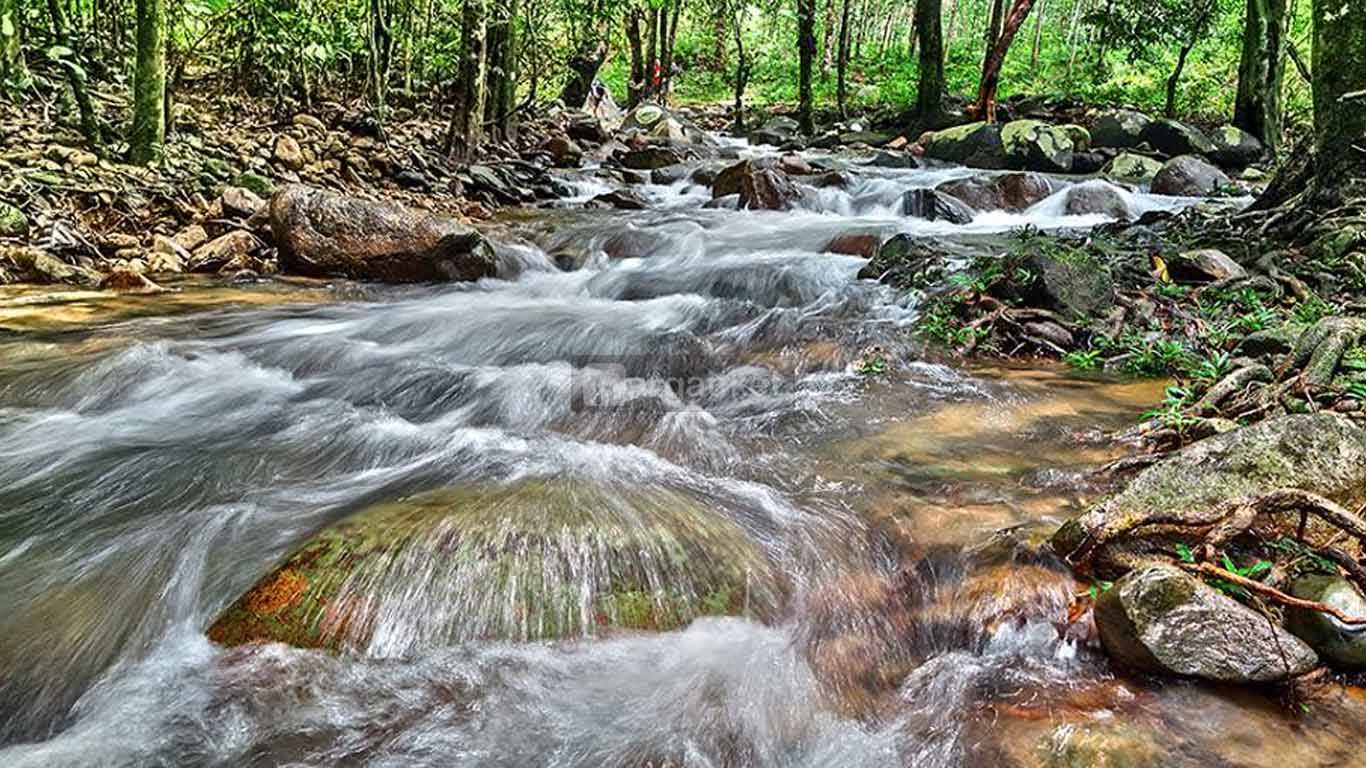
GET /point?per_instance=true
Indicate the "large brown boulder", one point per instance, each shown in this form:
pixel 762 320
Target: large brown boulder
pixel 1004 192
pixel 324 234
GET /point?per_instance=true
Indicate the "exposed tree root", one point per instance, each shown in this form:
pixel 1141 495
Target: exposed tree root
pixel 1270 593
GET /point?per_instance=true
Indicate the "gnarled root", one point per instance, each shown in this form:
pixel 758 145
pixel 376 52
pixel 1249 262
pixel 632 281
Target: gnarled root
pixel 1319 350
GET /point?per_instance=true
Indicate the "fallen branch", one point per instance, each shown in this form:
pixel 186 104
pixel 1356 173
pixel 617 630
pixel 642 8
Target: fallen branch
pixel 1269 592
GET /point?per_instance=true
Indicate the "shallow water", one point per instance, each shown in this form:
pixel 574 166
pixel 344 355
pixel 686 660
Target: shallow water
pixel 163 453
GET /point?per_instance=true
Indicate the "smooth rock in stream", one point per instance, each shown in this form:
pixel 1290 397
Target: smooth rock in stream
pixel 1189 176
pixel 775 131
pixel 1014 191
pixel 1096 197
pixel 1078 284
pixel 1323 453
pixel 767 189
pixel 650 158
pixel 533 560
pixel 932 205
pixel 1121 129
pixel 325 234
pixel 1158 618
pixel 1343 646
pixel 1206 265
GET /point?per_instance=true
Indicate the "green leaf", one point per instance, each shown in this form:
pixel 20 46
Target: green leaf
pixel 59 52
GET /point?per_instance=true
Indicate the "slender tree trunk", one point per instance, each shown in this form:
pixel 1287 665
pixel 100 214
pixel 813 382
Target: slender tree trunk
pixel 667 54
pixel 742 66
pixel 502 77
pixel 635 89
pixel 806 48
pixel 381 44
pixel 75 77
pixel 1340 99
pixel 1261 72
pixel 953 24
pixel 998 9
pixel 991 70
pixel 1038 35
pixel 841 77
pixel 1175 78
pixel 929 96
pixel 1074 36
pixel 828 41
pixel 149 83
pixel 467 123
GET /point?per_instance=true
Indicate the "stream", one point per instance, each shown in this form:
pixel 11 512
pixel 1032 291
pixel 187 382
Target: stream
pixel 162 454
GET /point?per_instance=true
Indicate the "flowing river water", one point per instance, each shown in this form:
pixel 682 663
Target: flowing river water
pixel 162 454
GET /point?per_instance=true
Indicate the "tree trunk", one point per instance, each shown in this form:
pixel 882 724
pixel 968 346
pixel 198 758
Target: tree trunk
pixel 828 41
pixel 993 33
pixel 506 40
pixel 149 83
pixel 583 70
pixel 1340 98
pixel 666 58
pixel 806 48
pixel 635 89
pixel 1261 72
pixel 929 96
pixel 1175 79
pixel 843 59
pixel 991 70
pixel 75 77
pixel 742 67
pixel 1038 36
pixel 467 124
pixel 381 44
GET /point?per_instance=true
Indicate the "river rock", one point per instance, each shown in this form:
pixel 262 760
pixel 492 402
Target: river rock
pixel 1091 161
pixel 1037 146
pixel 650 158
pixel 1189 176
pixel 1121 129
pixel 288 153
pixel 1138 169
pixel 537 559
pixel 1074 284
pixel 1323 453
pixel 1173 138
pixel 128 280
pixel 906 260
pixel 35 265
pixel 13 222
pixel 776 131
pixel 324 234
pixel 623 199
pixel 1157 618
pixel 564 153
pixel 862 244
pixel 241 203
pixel 1234 147
pixel 669 174
pixel 767 189
pixel 260 185
pixel 932 205
pixel 1343 646
pixel 582 126
pixel 977 145
pixel 1000 192
pixel 231 251
pixel 1081 138
pixel 1206 265
pixel 1096 197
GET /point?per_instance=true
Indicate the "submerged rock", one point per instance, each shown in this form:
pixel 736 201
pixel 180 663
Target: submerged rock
pixel 1177 499
pixel 1343 646
pixel 932 205
pixel 1189 176
pixel 1000 192
pixel 1158 618
pixel 650 158
pixel 533 560
pixel 1121 129
pixel 324 234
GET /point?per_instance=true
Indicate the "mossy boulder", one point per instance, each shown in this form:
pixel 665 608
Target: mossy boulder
pixel 1177 500
pixel 527 561
pixel 977 145
pixel 1341 645
pixel 1173 138
pixel 256 183
pixel 1134 168
pixel 13 222
pixel 1074 283
pixel 1160 619
pixel 1120 129
pixel 1037 146
pixel 1234 147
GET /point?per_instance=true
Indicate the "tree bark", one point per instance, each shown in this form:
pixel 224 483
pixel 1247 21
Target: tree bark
pixel 635 89
pixel 806 48
pixel 929 96
pixel 149 83
pixel 1340 98
pixel 467 123
pixel 1261 72
pixel 841 77
pixel 1038 35
pixel 505 39
pixel 828 41
pixel 993 32
pixel 1175 78
pixel 381 45
pixel 742 66
pixel 991 69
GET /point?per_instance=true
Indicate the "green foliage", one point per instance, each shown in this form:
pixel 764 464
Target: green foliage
pixel 1249 572
pixel 1172 412
pixel 1083 360
pixel 1154 357
pixel 1210 369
